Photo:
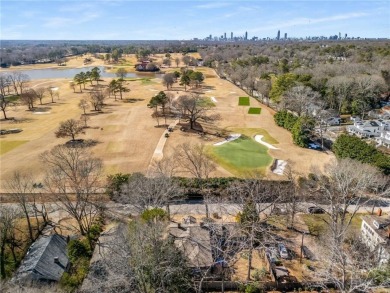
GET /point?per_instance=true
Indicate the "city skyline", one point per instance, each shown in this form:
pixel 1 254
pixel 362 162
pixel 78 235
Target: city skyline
pixel 169 20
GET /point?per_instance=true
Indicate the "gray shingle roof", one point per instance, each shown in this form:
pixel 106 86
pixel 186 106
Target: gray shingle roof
pixel 39 264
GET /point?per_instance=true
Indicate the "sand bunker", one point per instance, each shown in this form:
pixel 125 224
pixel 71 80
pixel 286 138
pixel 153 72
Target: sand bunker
pixel 153 90
pixel 259 138
pixel 279 167
pixel 229 138
pixel 214 99
pixel 39 113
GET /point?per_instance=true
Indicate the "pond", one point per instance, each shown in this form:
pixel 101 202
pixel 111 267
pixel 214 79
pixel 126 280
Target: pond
pixel 70 73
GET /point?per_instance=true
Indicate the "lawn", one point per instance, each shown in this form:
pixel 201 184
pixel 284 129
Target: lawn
pixel 317 226
pixel 6 146
pixel 254 110
pixel 242 156
pixel 243 101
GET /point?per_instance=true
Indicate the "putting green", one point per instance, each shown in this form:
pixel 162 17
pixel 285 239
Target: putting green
pixel 254 111
pixel 243 101
pixel 242 156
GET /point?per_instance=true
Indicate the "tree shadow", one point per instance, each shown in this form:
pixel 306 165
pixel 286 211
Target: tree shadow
pixel 83 143
pixel 132 100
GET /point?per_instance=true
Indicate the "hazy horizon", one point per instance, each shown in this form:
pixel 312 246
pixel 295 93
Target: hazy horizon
pixel 185 20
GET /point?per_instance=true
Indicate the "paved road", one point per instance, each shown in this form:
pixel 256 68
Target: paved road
pixel 125 210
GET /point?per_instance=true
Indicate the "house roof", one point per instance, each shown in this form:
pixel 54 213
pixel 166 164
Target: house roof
pixel 194 241
pixel 384 222
pixel 39 264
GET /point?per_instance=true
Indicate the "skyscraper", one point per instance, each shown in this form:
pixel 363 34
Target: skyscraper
pixel 224 36
pixel 231 35
pixel 278 36
pixel 285 36
pixel 246 35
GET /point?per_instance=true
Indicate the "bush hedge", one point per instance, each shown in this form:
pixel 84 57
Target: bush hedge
pixel 347 146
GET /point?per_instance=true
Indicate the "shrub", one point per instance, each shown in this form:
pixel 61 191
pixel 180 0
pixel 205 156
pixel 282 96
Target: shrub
pixel 216 215
pixel 155 214
pixel 74 278
pixel 352 147
pixel 280 117
pixel 114 183
pixel 77 249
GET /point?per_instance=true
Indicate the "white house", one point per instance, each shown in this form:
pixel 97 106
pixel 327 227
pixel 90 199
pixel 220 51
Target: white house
pixel 369 128
pixel 384 139
pixel 376 235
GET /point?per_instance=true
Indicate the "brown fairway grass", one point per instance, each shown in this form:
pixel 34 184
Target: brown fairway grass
pixel 127 135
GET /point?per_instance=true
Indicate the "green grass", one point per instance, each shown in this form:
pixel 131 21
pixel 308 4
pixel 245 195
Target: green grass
pixel 251 132
pixel 12 98
pixel 317 226
pixel 254 110
pixel 243 101
pixel 6 146
pixel 207 102
pixel 143 80
pixel 242 156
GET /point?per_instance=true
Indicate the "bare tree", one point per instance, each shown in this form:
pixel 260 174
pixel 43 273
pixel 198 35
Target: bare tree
pixel 70 128
pixel 300 99
pixel 168 80
pixel 341 86
pixel 39 93
pixel 177 61
pixel 83 105
pixel 256 198
pixel 144 193
pixel 84 118
pixel 112 271
pixel 5 83
pixel 194 159
pixel 19 81
pixel 4 103
pixel 75 176
pixel 345 188
pixel 195 108
pixel 28 98
pixel 97 99
pixel 53 92
pixel 21 188
pixel 72 85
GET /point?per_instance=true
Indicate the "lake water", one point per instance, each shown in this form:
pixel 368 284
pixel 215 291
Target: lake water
pixel 69 73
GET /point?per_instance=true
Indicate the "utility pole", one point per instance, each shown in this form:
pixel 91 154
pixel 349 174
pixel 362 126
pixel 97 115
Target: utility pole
pixel 303 235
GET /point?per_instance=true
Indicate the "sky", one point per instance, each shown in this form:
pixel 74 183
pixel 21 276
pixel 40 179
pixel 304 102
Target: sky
pixel 185 19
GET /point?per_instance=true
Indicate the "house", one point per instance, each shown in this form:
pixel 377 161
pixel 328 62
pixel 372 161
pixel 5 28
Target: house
pixel 375 231
pixel 384 139
pixel 45 261
pixel 333 121
pixel 194 241
pixel 365 128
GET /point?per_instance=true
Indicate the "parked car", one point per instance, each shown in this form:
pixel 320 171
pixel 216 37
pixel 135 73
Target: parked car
pixel 314 146
pixel 315 210
pixel 282 250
